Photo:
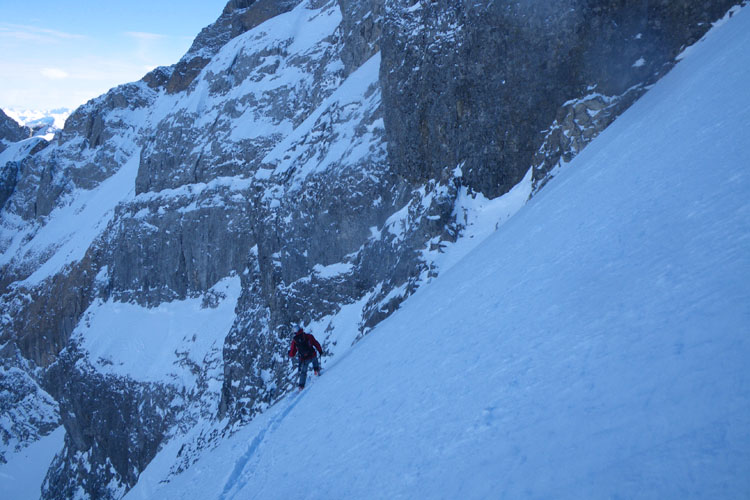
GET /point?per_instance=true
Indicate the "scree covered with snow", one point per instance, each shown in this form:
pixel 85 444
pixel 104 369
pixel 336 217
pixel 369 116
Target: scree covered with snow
pixel 595 346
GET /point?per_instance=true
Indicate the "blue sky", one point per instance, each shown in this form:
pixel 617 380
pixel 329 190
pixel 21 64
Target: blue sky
pixel 62 53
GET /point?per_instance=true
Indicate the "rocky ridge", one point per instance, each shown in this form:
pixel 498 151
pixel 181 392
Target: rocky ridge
pixel 322 168
pixel 11 131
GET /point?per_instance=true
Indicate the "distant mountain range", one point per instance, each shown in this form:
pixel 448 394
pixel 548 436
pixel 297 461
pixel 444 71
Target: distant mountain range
pixel 35 118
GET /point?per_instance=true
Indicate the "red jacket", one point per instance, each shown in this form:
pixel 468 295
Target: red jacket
pixel 312 341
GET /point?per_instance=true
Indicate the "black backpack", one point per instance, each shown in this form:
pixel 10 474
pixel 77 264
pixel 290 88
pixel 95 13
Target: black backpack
pixel 304 347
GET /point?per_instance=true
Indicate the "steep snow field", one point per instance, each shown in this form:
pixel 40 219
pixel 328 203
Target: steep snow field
pixel 72 228
pixel 595 346
pixel 159 344
pixel 21 477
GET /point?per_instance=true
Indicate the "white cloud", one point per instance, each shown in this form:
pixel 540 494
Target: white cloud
pixel 25 33
pixel 49 69
pixel 54 73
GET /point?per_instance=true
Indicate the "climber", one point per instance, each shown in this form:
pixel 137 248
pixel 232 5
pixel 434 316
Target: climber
pixel 305 345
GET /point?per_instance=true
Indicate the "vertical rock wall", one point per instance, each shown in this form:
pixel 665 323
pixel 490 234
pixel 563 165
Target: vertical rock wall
pixel 478 82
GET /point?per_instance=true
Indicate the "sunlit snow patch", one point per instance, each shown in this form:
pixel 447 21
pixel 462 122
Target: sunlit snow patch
pixel 159 344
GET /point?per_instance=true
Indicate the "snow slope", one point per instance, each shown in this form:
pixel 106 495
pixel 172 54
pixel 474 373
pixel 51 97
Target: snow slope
pixel 595 346
pixel 159 344
pixel 71 228
pixel 21 478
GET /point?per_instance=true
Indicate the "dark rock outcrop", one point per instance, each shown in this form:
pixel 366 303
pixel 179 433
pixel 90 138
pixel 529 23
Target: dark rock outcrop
pixel 41 319
pixel 113 425
pixel 361 28
pixel 11 131
pixel 476 82
pixel 185 245
pixel 28 411
pixel 8 180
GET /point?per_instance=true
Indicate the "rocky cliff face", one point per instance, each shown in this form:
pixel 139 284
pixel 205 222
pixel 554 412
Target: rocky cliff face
pixel 11 131
pixel 306 162
pixel 476 82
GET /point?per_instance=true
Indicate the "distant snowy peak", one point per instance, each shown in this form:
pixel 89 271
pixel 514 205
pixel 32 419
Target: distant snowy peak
pixel 35 117
pixel 40 121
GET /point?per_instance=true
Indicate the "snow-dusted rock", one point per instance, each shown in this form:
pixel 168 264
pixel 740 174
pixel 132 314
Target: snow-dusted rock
pixel 28 411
